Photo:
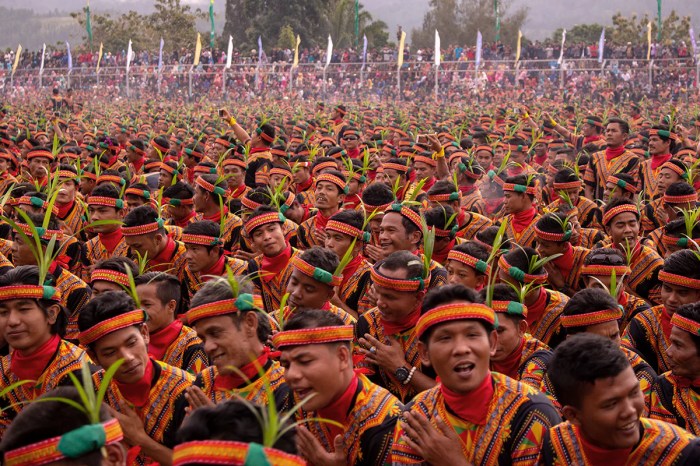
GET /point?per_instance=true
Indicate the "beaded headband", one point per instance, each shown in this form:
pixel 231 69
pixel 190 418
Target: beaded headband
pixel 426 160
pixel 40 153
pixel 558 237
pixel 101 329
pixel 178 202
pixel 222 452
pixel 511 308
pixel 686 324
pixel 158 146
pixel 138 192
pixel 591 318
pixel 244 302
pixel 622 184
pixel 29 292
pixel 406 212
pixel 248 203
pixel 202 240
pixel 313 336
pixel 675 168
pixel 568 185
pixel 268 217
pixel 111 179
pixel 112 276
pixel 143 229
pixel 681 199
pixel 106 201
pixel 207 186
pixel 449 197
pixel 371 209
pixel 662 133
pixel 407 285
pixel 281 171
pixel 682 241
pixel 36 202
pixel 337 181
pixel 169 169
pixel 471 261
pixel 316 273
pixel 605 270
pixel 395 166
pixel 520 275
pixel 73 444
pixel 44 234
pixel 519 188
pixel 67 174
pixel 455 311
pixel 608 215
pixel 349 230
pixel 324 166
pixel 264 136
pixel 234 163
pixel 679 280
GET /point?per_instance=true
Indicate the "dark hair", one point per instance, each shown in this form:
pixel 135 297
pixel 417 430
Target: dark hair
pixel 504 292
pixel 684 263
pixel 162 141
pixel 680 188
pixel 581 360
pixel 626 177
pixel 220 290
pixel 167 286
pixel 676 229
pixel 473 249
pixel 138 143
pixel 585 301
pixel 269 131
pixel 597 119
pixel 565 175
pixel 443 187
pixel 488 236
pixel 48 418
pixel 618 201
pixel 319 160
pixel 438 216
pixel 691 311
pixel 29 275
pixel 552 223
pixel 447 294
pixel 142 215
pixel 354 218
pixel 377 194
pixel 624 126
pixel 214 180
pixel 521 258
pixel 205 228
pixel 403 260
pixel 323 258
pixel 104 306
pixel 522 180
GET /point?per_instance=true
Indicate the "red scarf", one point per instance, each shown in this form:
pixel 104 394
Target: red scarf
pixel 137 393
pixel 522 220
pixel 64 209
pixel 160 341
pixel 536 309
pixel 351 202
pixel 272 266
pixel 338 410
pixel 441 256
pixel 138 165
pixel 185 220
pixel 250 371
pixel 597 455
pixel 623 299
pixel 428 184
pixel 111 240
pixel 165 255
pixel 688 383
pixel 539 160
pixel 305 186
pixel 238 192
pixel 659 159
pixel 321 221
pixel 410 321
pixel 493 204
pixel 665 322
pixel 589 139
pixel 354 153
pixel 217 270
pixel 217 216
pixel 511 364
pixel 611 153
pixel 466 190
pixel 31 366
pixel 351 268
pixel 472 407
pixel 565 262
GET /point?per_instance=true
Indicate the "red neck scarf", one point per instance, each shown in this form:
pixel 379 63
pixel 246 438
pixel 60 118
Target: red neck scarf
pixel 540 159
pixel 31 366
pixel 410 321
pixel 696 185
pixel 255 150
pixel 272 266
pixel 165 255
pixel 217 270
pixel 536 309
pixel 217 216
pixel 522 220
pixel 138 164
pixel 665 322
pixel 137 393
pixel 351 268
pixel 623 299
pixel 182 223
pixel 160 341
pixel 472 407
pixel 354 153
pixel 64 209
pixel 338 410
pixel 462 218
pixel 352 201
pixel 428 184
pixel 589 139
pixel 250 371
pixel 659 159
pixel 493 204
pixel 611 153
pixel 467 189
pixel 685 382
pixel 510 365
pixel 565 262
pixel 111 240
pixel 441 256
pixel 338 121
pixel 321 221
pixel 597 455
pixel 236 193
pixel 305 186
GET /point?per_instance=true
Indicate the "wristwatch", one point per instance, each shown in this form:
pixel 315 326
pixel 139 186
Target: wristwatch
pixel 402 374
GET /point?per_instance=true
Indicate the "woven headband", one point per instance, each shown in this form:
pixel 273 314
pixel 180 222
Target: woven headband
pixel 268 217
pixel 40 153
pixel 371 209
pixel 222 452
pixel 662 133
pixel 471 261
pixel 193 153
pixel 686 324
pixel 489 149
pixel 681 199
pixel 622 184
pixel 591 318
pixel 44 234
pixel 519 188
pixel 106 201
pixel 249 204
pixel 136 150
pixel 605 270
pixel 112 276
pixel 169 169
pixel 324 166
pixel 203 169
pixel 67 174
pixel 682 241
pixel 594 123
pixel 408 213
pixel 143 229
pixel 402 285
pixel 519 274
pixel 455 311
pixel 316 273
pixel 449 197
pixel 281 171
pixel 36 202
pixel 244 302
pixel 201 240
pixel 73 444
pixel 264 136
pixel 676 169
pixel 337 181
pixel 207 186
pixel 558 237
pixel 349 230
pixel 234 163
pixel 138 192
pixel 511 308
pixel 313 336
pixel 395 166
pixel 178 202
pixel 30 292
pixel 679 280
pixel 568 185
pixel 162 149
pixel 426 160
pixel 101 329
pixel 111 179
pixel 608 215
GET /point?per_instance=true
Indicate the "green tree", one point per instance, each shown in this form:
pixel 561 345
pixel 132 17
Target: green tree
pixel 341 17
pixel 633 29
pixel 286 39
pixel 587 33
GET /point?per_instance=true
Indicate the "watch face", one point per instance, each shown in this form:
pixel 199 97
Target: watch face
pixel 402 374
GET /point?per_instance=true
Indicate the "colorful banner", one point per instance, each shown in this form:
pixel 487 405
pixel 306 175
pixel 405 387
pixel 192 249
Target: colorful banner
pixel 16 63
pixel 437 48
pixel 518 46
pixel 99 59
pixel 296 51
pixel 197 50
pixel 479 43
pixel 329 51
pixel 402 42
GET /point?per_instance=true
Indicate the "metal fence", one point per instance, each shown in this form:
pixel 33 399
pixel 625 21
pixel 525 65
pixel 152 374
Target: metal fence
pixel 354 80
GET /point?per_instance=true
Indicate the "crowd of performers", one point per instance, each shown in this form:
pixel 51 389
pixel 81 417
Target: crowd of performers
pixel 350 285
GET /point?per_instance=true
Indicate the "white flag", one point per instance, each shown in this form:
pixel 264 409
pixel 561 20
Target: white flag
pixel 160 55
pixel 479 41
pixel 601 46
pixel 43 54
pixel 561 52
pixel 329 52
pixel 437 48
pixel 229 52
pixel 70 57
pixel 128 57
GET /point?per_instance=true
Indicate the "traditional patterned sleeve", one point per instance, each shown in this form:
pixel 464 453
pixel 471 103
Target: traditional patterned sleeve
pixel 376 443
pixel 637 338
pixel 529 428
pixel 194 359
pixel 78 297
pixel 546 456
pixel 589 176
pixel 303 233
pixel 535 368
pixel 401 453
pixel 178 416
pixel 660 403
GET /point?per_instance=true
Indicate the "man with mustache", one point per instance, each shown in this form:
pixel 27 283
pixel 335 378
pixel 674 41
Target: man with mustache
pixel 331 188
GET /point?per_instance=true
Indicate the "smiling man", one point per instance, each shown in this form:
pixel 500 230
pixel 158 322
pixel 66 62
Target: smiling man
pixel 603 405
pixel 519 192
pixel 474 416
pixel 661 145
pixel 331 188
pixel 148 397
